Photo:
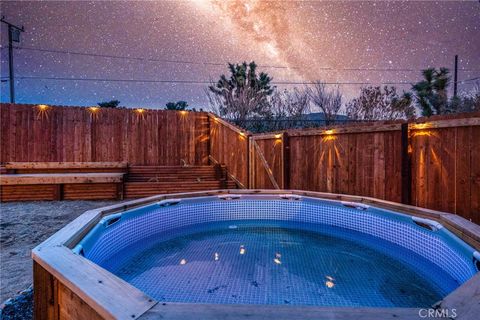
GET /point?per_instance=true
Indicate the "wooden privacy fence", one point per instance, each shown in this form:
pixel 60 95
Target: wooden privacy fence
pixel 445 157
pixel 229 146
pixel 349 161
pixel 434 164
pixel 136 136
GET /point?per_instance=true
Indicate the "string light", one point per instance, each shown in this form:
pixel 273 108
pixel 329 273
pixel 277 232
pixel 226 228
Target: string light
pixel 330 282
pixel 420 126
pixel 277 258
pixel 42 111
pixel 421 129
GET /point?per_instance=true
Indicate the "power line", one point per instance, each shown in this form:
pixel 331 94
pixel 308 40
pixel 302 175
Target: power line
pixel 215 63
pixel 136 58
pixel 193 81
pixel 471 79
pixel 174 81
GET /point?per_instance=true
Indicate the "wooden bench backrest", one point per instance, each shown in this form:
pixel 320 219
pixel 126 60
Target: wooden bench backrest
pixel 60 178
pixel 65 167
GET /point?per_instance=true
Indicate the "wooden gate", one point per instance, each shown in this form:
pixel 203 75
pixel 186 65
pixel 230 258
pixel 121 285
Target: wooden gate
pixel 267 153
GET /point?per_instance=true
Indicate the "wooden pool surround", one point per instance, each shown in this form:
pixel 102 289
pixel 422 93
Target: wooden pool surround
pixel 69 286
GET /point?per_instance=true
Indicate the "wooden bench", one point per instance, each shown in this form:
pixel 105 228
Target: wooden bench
pixel 60 178
pixel 62 181
pixel 64 167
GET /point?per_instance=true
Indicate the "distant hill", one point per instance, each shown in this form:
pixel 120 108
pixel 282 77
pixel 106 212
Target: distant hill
pixel 320 116
pixel 310 120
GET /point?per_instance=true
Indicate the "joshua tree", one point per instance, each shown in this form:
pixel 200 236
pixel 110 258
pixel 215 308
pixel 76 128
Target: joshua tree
pixel 431 93
pixel 377 104
pixel 328 101
pixel 179 105
pixel 244 94
pixel 109 104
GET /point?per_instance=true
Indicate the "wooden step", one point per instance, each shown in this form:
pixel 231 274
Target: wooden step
pixel 169 168
pixel 175 174
pixel 142 189
pixel 170 179
pixel 73 170
pixel 168 185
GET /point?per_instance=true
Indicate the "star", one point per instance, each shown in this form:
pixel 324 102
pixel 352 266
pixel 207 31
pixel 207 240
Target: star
pixel 293 41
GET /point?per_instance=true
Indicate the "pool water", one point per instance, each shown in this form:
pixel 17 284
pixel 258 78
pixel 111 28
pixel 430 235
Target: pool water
pixel 262 262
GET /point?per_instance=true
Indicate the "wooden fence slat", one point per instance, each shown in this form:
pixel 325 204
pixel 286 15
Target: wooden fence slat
pixel 475 175
pixel 463 181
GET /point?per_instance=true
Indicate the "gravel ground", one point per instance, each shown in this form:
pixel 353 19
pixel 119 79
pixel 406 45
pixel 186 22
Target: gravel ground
pixel 23 225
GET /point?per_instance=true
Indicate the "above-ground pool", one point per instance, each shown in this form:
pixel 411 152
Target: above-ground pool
pixel 280 250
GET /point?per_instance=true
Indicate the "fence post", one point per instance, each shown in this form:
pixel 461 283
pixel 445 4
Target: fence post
pixel 286 160
pixel 406 167
pixel 250 164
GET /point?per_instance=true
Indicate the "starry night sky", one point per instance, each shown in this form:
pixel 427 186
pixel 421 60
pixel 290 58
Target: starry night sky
pixel 192 41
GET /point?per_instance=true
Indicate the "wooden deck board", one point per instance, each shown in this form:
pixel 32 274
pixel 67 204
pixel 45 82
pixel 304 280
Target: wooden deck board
pixel 64 165
pixel 60 178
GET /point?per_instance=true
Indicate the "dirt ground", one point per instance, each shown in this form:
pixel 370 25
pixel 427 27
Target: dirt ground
pixel 23 225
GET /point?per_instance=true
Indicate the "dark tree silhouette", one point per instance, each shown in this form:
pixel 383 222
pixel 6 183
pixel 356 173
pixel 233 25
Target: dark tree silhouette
pixel 431 93
pixel 179 105
pixel 109 104
pixel 244 94
pixel 377 104
pixel 328 101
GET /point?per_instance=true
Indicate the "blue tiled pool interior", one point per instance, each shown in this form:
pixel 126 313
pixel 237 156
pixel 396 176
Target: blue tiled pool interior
pixel 279 252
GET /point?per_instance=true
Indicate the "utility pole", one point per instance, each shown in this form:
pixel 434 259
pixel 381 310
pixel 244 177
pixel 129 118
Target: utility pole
pixel 13 36
pixel 455 78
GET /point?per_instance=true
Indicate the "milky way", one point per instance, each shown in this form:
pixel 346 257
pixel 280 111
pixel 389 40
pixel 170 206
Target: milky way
pixel 192 41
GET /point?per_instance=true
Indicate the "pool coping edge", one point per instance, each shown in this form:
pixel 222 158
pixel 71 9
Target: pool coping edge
pixel 136 304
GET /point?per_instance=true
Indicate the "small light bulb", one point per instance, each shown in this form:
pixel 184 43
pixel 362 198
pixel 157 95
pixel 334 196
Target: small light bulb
pixel 277 258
